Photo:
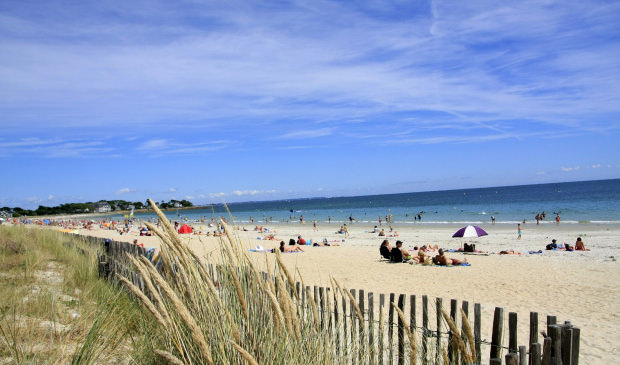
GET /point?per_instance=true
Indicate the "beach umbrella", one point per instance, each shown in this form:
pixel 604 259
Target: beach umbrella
pixel 470 231
pixel 185 229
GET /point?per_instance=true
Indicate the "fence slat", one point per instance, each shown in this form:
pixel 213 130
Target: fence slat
pixel 546 358
pixel 556 343
pixel 477 330
pixel 381 332
pixel 401 331
pixel 453 305
pixel 523 355
pixel 424 328
pixel 496 337
pixel 533 327
pixel 576 335
pixel 567 344
pixel 535 353
pixel 371 329
pixel 391 329
pixel 438 307
pixel 512 332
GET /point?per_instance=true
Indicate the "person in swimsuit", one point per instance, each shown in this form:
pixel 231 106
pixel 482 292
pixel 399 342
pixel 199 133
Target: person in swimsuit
pixel 284 248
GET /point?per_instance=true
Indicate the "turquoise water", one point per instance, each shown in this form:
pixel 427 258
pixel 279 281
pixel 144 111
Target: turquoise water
pixel 577 202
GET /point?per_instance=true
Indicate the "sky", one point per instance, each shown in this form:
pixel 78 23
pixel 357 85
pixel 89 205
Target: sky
pixel 231 101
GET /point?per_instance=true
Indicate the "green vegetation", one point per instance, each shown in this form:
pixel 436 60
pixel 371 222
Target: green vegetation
pixel 51 296
pixel 89 207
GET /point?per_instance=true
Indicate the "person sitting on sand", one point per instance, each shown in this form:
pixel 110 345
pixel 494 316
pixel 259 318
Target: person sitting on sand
pixel 397 254
pixel 300 241
pixel 385 249
pixel 374 230
pixel 441 259
pixel 552 245
pixel 284 248
pixel 579 246
pixel 509 252
pixel 382 233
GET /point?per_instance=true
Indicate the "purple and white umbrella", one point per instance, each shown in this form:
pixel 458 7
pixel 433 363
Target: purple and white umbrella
pixel 470 231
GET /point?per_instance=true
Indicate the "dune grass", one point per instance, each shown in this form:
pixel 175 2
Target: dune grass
pixel 51 296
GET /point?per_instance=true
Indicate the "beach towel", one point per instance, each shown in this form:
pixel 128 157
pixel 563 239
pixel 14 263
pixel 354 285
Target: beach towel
pixel 535 252
pixel 476 253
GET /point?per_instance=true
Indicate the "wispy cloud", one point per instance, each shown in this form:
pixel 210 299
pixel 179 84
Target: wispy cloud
pixel 569 169
pixel 125 191
pixel 304 134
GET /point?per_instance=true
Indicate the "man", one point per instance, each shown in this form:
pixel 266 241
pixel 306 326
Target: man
pixel 552 245
pixel 398 253
pixel 441 259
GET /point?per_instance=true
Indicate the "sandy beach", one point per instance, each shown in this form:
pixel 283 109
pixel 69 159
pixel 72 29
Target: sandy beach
pixel 578 286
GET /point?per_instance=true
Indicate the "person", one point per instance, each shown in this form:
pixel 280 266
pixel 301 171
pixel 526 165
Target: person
pixel 493 219
pixel 295 248
pixel 441 259
pixel 382 233
pixel 374 230
pixel 579 246
pixel 385 249
pixel 509 252
pixel 552 245
pixel 346 231
pixel 519 231
pixel 314 225
pixel 292 242
pixel 301 241
pixel 379 221
pixel 398 254
pixel 557 218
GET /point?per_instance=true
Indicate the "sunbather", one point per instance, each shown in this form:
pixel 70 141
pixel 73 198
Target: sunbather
pixel 441 259
pixel 284 248
pixel 579 246
pixel 509 252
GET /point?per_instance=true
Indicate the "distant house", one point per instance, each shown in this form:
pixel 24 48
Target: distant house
pixel 178 205
pixel 102 207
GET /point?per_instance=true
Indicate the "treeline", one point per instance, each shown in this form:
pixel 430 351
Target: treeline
pixel 90 207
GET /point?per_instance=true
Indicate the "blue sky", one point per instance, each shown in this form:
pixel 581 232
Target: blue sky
pixel 242 100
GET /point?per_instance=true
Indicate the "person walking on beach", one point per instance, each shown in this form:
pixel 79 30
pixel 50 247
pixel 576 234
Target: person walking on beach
pixel 519 231
pixel 314 225
pixel 379 221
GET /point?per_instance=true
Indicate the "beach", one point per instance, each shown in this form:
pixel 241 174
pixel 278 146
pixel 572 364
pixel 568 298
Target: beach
pixel 577 286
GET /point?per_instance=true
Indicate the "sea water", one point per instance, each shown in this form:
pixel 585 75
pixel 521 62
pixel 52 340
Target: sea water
pixel 575 202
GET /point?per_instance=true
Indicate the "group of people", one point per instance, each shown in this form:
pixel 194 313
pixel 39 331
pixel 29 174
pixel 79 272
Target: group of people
pixel 424 254
pixel 579 245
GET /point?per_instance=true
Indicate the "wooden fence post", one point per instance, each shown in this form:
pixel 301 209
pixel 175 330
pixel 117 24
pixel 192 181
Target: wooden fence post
pixel 477 330
pixel 371 328
pixel 496 338
pixel 546 358
pixel 424 328
pixel 438 308
pixel 523 355
pixel 512 359
pixel 381 331
pixel 401 331
pixel 576 338
pixel 391 329
pixel 567 343
pixel 512 332
pixel 453 305
pixel 556 343
pixel 535 353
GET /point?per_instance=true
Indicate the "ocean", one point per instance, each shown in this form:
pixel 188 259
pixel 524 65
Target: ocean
pixel 576 202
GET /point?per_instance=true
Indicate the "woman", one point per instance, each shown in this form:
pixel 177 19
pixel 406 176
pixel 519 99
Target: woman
pixel 579 246
pixel 295 248
pixel 385 249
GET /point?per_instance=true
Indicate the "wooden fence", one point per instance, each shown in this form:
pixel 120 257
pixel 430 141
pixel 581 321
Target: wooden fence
pixel 557 344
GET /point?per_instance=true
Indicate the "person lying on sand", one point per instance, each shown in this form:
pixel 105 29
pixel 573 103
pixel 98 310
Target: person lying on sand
pixel 441 259
pixel 284 248
pixel 509 252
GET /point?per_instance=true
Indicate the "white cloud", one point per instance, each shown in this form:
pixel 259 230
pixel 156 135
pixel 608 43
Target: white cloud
pixel 172 190
pixel 245 192
pixel 596 166
pixel 569 169
pixel 50 197
pixel 189 197
pixel 310 133
pixel 217 195
pixel 124 191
